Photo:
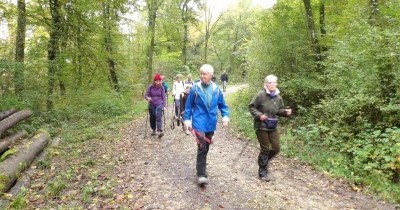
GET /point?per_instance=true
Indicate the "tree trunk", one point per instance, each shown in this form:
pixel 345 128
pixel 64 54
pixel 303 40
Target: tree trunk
pixel 5 114
pixel 322 17
pixel 322 26
pixel 13 120
pixel 53 50
pixel 152 8
pixel 313 34
pixel 233 61
pixel 19 48
pixel 13 166
pixel 107 15
pixel 9 140
pixel 185 20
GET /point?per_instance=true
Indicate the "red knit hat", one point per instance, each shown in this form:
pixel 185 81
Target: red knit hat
pixel 157 77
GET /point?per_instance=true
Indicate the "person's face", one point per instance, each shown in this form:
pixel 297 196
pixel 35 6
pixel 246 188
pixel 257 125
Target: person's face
pixel 205 77
pixel 271 85
pixel 178 79
pixel 157 82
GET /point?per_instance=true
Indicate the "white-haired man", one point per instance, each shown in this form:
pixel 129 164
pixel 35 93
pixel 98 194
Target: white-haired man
pixel 201 116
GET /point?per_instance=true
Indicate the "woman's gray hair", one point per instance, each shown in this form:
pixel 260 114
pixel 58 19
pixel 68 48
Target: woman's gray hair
pixel 207 68
pixel 271 78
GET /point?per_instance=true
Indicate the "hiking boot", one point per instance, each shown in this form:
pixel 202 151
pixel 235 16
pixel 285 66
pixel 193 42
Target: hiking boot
pixel 161 134
pixel 265 178
pixel 154 133
pixel 202 180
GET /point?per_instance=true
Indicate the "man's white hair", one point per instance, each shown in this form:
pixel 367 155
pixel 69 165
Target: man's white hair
pixel 207 68
pixel 271 78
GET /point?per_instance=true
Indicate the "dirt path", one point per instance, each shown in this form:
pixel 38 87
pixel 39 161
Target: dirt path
pixel 160 174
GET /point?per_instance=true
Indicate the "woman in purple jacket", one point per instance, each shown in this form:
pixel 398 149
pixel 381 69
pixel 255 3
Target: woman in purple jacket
pixel 156 97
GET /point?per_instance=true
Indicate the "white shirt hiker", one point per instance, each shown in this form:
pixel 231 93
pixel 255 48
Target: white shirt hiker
pixel 177 89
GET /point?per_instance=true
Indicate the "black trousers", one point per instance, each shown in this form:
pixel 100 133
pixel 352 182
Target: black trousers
pixel 202 151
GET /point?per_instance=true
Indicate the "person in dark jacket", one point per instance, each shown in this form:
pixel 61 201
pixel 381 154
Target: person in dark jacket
pixel 265 107
pixel 156 97
pixel 182 100
pixel 224 80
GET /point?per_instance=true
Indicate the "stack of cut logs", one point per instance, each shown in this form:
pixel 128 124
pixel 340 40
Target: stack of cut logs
pixel 17 149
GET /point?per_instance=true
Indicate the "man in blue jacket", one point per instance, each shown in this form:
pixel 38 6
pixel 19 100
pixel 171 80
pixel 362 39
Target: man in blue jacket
pixel 201 116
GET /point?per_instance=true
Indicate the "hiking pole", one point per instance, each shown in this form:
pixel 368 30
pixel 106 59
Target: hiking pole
pixel 145 123
pixel 173 116
pixel 166 107
pixel 163 113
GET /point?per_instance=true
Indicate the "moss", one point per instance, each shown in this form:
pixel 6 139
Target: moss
pixel 7 153
pixel 4 179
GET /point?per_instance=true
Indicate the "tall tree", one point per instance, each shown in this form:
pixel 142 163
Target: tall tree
pixel 210 27
pixel 187 10
pixel 20 47
pixel 152 9
pixel 53 50
pixel 386 72
pixel 107 25
pixel 185 19
pixel 313 34
pixel 322 25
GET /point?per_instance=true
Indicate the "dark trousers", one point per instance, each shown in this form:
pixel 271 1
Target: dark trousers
pixel 156 118
pixel 202 150
pixel 269 144
pixel 177 105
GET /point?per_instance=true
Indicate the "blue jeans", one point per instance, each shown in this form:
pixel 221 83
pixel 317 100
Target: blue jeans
pixel 156 118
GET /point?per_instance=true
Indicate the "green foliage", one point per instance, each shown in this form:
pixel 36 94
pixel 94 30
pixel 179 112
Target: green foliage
pixel 87 193
pixel 367 158
pixel 279 44
pixel 43 164
pixel 20 201
pixel 239 112
pixel 55 187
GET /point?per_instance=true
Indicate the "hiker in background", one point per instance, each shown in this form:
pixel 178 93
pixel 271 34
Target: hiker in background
pixel 201 115
pixel 224 80
pixel 156 97
pixel 189 81
pixel 182 100
pixel 165 85
pixel 177 89
pixel 265 107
